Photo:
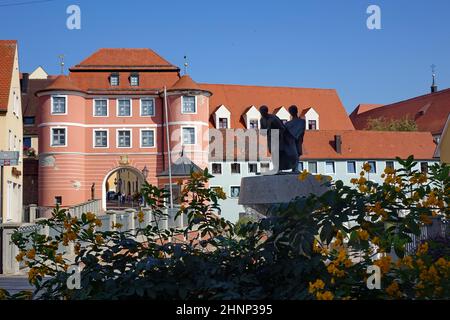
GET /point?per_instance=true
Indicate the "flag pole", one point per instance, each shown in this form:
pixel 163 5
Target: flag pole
pixel 169 151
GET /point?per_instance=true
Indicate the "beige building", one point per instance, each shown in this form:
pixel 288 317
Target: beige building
pixel 11 132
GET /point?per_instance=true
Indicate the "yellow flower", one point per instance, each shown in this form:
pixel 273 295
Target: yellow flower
pixel 318 284
pixel 442 263
pixel 354 180
pixel 90 217
pixel 220 193
pixel 363 234
pixel 384 263
pixel 327 295
pixel 98 222
pixel 318 177
pixel 140 216
pixel 303 175
pixel 348 263
pixel 59 258
pixel 77 248
pixel 423 249
pixel 117 225
pixel 99 239
pixel 31 254
pixel 196 175
pixel 389 170
pixel 367 167
pixel 376 240
pixel 20 256
pixel 32 274
pixel 393 290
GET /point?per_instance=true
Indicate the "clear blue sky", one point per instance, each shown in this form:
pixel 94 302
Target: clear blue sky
pixel 304 43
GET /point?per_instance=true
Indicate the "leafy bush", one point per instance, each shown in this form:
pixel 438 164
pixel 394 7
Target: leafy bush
pixel 383 124
pixel 319 247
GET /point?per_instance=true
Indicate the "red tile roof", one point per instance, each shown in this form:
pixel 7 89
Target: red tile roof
pixel 185 83
pixel 124 58
pixel 363 144
pixel 62 83
pixel 364 107
pixel 7 55
pixel 239 98
pixel 428 111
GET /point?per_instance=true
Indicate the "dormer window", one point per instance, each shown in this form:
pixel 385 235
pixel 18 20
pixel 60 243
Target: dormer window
pixel 254 124
pixel 312 125
pixel 134 79
pixel 223 123
pixel 114 79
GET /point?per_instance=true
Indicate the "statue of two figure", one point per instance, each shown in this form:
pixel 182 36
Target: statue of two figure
pixel 290 137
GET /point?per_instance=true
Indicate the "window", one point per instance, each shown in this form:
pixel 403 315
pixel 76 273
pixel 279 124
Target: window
pixel 101 108
pixel 235 168
pixel 329 167
pixel 373 166
pixel 424 167
pixel 100 138
pixel 252 168
pixel 114 79
pixel 147 107
pixel 58 138
pixel 217 168
pixel 235 191
pixel 28 121
pixel 59 105
pixel 223 123
pixel 265 166
pixel 58 200
pixel 253 124
pixel 351 167
pixel 189 104
pixel 312 125
pixel 147 138
pixel 312 167
pixel 188 135
pixel 301 166
pixel 134 79
pixel 390 164
pixel 27 142
pixel 124 138
pixel 124 107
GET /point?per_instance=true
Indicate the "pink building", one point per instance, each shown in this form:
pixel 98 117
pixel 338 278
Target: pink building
pixel 107 115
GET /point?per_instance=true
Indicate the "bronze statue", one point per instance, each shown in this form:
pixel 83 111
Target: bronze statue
pixel 93 191
pixel 290 138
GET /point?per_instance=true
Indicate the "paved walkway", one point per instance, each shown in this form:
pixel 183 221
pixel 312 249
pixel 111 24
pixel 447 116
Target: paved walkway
pixel 14 283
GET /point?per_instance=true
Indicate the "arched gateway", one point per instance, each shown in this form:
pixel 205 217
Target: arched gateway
pixel 121 188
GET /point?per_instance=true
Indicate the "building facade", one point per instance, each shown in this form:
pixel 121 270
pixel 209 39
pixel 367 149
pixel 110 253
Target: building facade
pixel 11 133
pixel 120 110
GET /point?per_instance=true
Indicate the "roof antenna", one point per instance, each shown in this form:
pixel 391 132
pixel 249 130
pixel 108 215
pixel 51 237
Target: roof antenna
pixel 434 87
pixel 186 65
pixel 61 63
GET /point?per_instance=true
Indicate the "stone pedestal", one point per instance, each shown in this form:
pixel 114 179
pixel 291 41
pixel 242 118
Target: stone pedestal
pixel 259 193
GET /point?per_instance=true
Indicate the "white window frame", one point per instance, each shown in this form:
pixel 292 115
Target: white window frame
pixel 131 80
pixel 248 167
pixel 356 166
pixel 195 136
pixel 93 138
pixel 231 168
pixel 66 140
pixel 317 167
pixel 231 193
pixel 221 168
pixel 117 107
pixel 154 138
pixel 131 138
pixel 182 103
pixel 257 123
pixel 118 80
pixel 140 107
pixel 67 105
pixel 228 122
pixel 107 107
pixel 334 167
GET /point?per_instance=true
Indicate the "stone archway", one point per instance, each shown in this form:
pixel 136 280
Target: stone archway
pixel 134 177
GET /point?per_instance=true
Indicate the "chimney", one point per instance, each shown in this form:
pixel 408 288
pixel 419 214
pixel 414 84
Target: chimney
pixel 338 143
pixel 24 82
